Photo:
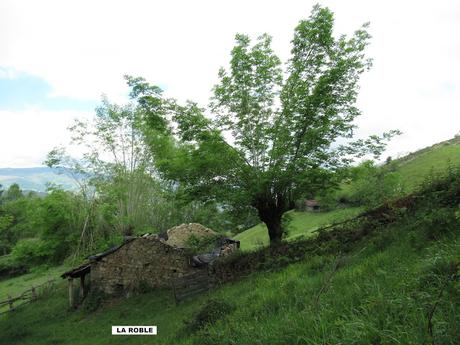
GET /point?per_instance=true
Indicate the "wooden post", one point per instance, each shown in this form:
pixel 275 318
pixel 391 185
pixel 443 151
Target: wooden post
pixel 34 293
pixel 10 303
pixel 71 303
pixel 82 287
pixel 174 291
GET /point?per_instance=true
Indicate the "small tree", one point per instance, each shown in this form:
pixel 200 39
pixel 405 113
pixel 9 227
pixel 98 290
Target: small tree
pixel 116 163
pixel 14 192
pixel 272 137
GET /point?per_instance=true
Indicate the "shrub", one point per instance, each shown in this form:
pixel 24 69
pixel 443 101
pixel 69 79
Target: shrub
pixel 212 311
pixel 10 268
pixel 197 244
pixel 382 240
pixel 31 251
pixel 438 223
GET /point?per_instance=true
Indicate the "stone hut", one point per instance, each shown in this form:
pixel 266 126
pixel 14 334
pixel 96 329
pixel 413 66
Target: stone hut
pixel 312 205
pixel 144 261
pixel 148 261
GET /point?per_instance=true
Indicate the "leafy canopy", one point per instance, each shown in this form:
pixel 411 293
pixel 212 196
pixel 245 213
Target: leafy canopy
pixel 272 136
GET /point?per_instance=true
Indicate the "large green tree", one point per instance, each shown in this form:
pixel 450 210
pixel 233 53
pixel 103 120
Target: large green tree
pixel 272 136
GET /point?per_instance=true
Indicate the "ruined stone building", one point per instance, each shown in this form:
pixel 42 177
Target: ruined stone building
pixel 148 261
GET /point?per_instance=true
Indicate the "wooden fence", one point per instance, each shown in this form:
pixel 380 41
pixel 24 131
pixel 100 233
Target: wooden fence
pixel 30 295
pixel 192 284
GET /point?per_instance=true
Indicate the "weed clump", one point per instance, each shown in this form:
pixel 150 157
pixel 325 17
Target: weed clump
pixel 438 223
pixel 211 312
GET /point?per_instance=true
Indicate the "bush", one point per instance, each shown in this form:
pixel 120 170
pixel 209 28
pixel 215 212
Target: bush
pixel 382 240
pixel 376 187
pixel 203 244
pixel 31 251
pixel 212 311
pixel 438 222
pixel 366 185
pixel 10 268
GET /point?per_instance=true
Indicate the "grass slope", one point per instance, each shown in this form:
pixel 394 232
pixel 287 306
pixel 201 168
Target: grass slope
pixel 17 285
pixel 382 292
pixel 417 166
pixel 301 224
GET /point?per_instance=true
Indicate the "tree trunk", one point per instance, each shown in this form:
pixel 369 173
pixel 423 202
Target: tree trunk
pixel 271 207
pixel 272 218
pixel 275 230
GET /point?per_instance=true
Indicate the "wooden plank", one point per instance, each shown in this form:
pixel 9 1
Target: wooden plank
pixel 82 288
pixel 194 283
pixel 197 288
pixel 179 291
pixel 191 294
pixel 10 302
pixel 184 280
pixel 27 296
pixel 71 303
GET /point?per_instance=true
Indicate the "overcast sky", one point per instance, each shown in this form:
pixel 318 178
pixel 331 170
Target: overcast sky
pixel 58 57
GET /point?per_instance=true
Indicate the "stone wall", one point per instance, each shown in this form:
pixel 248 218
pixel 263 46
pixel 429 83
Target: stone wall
pixel 143 262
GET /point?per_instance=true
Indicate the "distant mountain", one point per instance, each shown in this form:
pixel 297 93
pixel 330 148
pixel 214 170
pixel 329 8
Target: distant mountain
pixel 35 179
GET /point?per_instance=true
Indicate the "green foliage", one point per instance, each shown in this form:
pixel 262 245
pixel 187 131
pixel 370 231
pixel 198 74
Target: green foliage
pixel 212 311
pixel 14 192
pixel 205 244
pixel 31 251
pixel 371 186
pixel 438 222
pixel 283 127
pixel 40 230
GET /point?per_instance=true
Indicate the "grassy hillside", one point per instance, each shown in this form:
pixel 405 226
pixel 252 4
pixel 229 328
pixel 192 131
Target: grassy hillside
pixel 398 285
pixel 301 224
pixel 16 285
pixel 415 167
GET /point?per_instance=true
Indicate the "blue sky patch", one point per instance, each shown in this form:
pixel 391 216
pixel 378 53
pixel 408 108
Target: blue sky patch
pixel 27 90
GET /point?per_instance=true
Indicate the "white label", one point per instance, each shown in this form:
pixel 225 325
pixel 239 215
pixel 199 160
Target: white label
pixel 134 330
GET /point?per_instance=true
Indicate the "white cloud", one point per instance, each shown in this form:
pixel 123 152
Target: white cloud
pixel 8 73
pixel 82 48
pixel 27 136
